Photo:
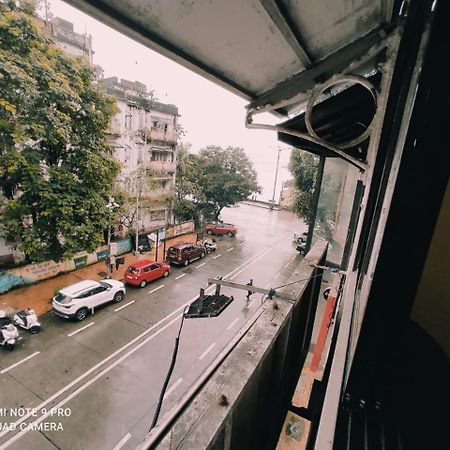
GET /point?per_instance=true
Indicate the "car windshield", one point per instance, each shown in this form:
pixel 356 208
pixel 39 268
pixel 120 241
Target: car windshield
pixel 173 251
pixel 133 270
pixel 63 299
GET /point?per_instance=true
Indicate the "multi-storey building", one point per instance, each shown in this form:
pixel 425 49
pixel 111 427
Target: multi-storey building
pixel 75 44
pixel 143 138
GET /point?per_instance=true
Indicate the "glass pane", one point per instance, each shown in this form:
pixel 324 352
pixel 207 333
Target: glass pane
pixel 335 205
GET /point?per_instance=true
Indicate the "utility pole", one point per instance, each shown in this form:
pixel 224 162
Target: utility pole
pixel 137 215
pixel 276 177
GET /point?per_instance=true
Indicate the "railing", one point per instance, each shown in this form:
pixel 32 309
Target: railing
pixel 162 166
pixel 242 398
pixel 160 135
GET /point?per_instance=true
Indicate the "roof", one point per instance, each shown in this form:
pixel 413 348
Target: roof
pixel 143 263
pixel 79 287
pixel 262 50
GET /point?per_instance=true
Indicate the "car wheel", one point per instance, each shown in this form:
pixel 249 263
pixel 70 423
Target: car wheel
pixel 209 232
pixel 186 262
pixel 166 273
pixel 202 255
pixel 81 314
pixel 142 284
pixel 10 347
pixel 118 296
pixel 35 329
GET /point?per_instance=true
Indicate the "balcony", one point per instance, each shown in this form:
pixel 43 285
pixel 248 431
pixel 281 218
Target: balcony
pixel 257 374
pixel 154 134
pixel 162 166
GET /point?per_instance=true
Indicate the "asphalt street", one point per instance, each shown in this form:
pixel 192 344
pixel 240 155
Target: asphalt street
pixel 95 384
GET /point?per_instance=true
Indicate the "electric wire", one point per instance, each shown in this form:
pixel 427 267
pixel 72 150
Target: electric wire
pixel 169 374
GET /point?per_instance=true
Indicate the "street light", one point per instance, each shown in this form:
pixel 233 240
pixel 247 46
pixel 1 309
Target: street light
pixel 276 176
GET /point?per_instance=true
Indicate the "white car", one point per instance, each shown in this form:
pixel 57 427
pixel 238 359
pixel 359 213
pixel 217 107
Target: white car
pixel 77 300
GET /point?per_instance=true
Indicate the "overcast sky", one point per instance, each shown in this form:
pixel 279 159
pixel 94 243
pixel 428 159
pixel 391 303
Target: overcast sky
pixel 209 114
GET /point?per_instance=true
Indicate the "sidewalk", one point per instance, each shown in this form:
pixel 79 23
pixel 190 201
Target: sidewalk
pixel 38 296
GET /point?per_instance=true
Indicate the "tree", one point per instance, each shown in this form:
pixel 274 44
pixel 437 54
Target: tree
pixel 304 167
pixel 212 180
pixel 56 171
pixel 226 177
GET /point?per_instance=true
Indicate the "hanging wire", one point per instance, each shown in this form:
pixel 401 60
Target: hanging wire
pixel 169 373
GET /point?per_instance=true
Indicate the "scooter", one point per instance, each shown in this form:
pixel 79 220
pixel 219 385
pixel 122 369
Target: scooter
pixel 27 319
pixel 210 246
pixel 8 332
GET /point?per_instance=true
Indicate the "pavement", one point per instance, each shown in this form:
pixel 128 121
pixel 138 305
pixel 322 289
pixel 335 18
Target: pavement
pixel 38 295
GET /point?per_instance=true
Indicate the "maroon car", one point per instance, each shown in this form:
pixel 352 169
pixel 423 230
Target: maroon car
pixel 221 228
pixel 183 254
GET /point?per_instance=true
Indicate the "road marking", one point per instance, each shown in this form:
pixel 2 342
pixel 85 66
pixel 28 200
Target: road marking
pixel 232 323
pixel 267 286
pixel 156 289
pixel 111 356
pixel 173 387
pixel 262 253
pixel 122 442
pixel 80 329
pixel 180 276
pixel 19 362
pixel 241 243
pixel 207 351
pixel 218 256
pixel 286 264
pixel 277 275
pixel 229 250
pixel 200 265
pixel 295 256
pixel 124 306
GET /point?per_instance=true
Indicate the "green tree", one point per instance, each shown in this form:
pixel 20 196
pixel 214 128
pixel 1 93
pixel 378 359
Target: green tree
pixel 226 177
pixel 187 192
pixel 212 180
pixel 304 167
pixel 56 171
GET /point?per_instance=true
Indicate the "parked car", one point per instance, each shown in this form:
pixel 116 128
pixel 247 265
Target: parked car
pixel 141 272
pixel 221 228
pixel 77 300
pixel 183 254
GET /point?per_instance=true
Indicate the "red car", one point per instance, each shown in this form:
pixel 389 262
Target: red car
pixel 221 228
pixel 141 272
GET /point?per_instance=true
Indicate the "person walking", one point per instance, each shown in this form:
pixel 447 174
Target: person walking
pixel 249 293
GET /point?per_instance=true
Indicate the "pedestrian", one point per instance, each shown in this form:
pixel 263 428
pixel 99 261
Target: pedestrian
pixel 112 263
pixel 247 300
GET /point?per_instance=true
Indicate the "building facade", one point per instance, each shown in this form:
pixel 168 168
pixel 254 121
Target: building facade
pixel 143 139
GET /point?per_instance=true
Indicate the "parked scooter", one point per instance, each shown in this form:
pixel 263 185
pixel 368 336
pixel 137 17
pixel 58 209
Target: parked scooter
pixel 210 246
pixel 27 319
pixel 8 332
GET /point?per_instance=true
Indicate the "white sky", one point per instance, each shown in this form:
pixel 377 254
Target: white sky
pixel 209 113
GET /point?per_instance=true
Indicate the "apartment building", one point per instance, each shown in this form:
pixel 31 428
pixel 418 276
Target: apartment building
pixel 143 138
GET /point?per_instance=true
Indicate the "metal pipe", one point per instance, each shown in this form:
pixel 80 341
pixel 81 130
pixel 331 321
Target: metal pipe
pixel 260 126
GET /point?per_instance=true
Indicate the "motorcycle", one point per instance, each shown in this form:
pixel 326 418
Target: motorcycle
pixel 8 332
pixel 27 319
pixel 210 246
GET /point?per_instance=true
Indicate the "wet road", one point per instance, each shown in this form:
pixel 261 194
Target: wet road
pixel 104 375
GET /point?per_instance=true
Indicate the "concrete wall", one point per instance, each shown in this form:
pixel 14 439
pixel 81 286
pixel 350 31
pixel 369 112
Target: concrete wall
pixel 257 378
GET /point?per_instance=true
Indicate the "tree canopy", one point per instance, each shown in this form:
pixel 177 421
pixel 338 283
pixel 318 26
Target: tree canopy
pixel 304 167
pixel 56 170
pixel 214 179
